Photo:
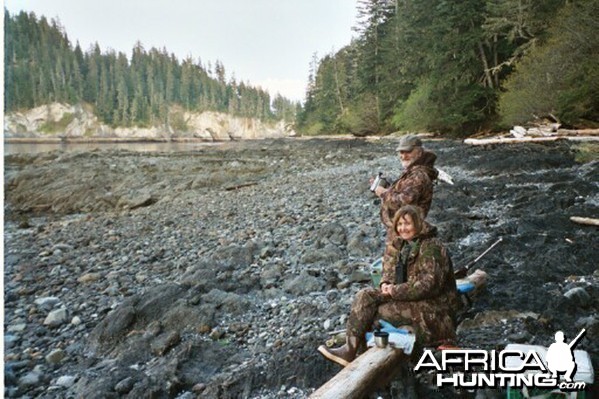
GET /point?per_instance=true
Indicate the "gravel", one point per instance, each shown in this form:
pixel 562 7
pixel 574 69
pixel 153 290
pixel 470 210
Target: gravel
pixel 216 272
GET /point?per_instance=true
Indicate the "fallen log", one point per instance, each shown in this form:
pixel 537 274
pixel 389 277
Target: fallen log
pixel 508 140
pixel 580 138
pixel 373 369
pixel 583 220
pixel 514 140
pixel 583 132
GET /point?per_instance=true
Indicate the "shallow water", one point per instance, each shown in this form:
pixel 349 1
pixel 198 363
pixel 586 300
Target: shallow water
pixel 36 148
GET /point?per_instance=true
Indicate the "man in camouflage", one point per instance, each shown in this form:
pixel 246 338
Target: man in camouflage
pixel 417 289
pixel 414 186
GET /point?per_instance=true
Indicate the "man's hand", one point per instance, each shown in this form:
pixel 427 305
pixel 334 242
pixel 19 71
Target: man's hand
pixel 386 288
pixel 379 191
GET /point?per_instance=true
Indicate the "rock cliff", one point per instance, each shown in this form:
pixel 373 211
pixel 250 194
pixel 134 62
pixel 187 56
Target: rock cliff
pixel 78 122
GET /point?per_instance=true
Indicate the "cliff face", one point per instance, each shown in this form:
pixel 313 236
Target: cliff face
pixel 78 122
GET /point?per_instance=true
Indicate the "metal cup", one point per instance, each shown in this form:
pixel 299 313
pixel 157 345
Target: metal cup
pixel 381 339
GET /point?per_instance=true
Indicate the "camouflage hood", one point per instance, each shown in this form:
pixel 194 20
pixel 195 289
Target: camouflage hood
pixel 428 231
pixel 427 163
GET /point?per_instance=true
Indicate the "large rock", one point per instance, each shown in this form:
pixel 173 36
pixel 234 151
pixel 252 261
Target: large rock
pixel 150 322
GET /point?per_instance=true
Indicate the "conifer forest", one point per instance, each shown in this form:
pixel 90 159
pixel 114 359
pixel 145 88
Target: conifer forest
pixel 458 67
pixel 43 66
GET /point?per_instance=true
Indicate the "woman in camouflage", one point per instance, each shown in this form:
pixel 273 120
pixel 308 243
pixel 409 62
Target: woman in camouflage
pixel 417 289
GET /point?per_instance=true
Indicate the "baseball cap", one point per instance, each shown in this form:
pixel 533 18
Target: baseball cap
pixel 408 143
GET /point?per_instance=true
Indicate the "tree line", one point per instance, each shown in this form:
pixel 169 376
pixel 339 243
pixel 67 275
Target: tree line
pixel 458 67
pixel 152 88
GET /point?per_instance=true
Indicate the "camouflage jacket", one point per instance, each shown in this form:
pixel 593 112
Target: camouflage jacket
pixel 430 289
pixel 414 187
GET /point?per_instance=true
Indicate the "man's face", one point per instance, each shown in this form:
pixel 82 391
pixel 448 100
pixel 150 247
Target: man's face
pixel 407 157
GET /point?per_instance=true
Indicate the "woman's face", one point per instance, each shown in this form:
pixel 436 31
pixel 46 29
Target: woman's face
pixel 405 227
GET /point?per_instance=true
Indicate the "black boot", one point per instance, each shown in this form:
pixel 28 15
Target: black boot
pixel 343 355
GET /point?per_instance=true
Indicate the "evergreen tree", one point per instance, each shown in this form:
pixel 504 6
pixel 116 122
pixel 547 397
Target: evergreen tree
pixel 559 77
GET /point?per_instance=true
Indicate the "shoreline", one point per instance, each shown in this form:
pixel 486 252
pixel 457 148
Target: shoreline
pixel 141 140
pixel 112 140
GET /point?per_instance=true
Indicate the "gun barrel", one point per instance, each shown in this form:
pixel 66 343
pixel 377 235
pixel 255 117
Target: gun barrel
pixel 488 250
pixel 464 270
pixel 575 340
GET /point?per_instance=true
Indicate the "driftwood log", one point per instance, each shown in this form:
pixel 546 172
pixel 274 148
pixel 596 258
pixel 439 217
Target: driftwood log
pixel 373 369
pixel 514 140
pixel 587 221
pixel 585 132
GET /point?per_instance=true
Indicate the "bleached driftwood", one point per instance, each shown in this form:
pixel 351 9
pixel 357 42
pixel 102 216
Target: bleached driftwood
pixel 583 220
pixel 373 369
pixel 513 140
pixel 580 138
pixel 584 132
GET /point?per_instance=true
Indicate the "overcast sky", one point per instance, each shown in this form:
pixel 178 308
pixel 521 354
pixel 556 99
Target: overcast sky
pixel 267 42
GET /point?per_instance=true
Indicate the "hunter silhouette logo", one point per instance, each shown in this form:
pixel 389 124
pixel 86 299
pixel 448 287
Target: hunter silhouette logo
pixel 560 357
pixel 516 366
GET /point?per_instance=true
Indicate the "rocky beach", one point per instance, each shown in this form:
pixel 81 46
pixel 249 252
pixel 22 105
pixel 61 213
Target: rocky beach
pixel 216 272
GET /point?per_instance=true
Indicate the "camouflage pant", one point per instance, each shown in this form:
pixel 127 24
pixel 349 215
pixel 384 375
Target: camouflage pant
pixel 430 325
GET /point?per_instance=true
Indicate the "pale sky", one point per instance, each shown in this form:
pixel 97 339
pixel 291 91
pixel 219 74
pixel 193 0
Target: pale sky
pixel 269 43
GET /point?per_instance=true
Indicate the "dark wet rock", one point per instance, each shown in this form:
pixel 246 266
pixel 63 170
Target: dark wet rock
pixel 149 324
pixel 134 200
pixel 125 385
pixel 327 254
pixel 520 337
pixel 362 242
pixel 303 284
pixel 578 296
pixel 10 340
pixel 201 275
pixel 9 375
pixel 334 233
pixel 31 379
pixel 235 255
pixel 227 302
pixel 271 275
